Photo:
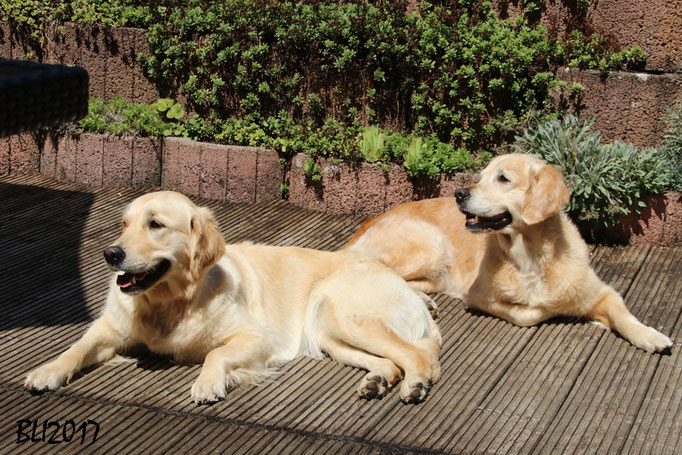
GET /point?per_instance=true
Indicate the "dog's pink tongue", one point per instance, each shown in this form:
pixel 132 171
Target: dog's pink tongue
pixel 125 280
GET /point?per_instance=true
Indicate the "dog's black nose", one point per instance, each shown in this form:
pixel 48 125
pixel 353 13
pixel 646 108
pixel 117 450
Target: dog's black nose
pixel 462 194
pixel 114 254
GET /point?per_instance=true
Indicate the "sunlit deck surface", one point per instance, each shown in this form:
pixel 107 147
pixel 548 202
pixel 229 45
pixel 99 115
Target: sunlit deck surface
pixel 562 387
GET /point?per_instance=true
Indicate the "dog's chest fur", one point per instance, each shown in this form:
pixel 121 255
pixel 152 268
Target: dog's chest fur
pixel 170 328
pixel 536 277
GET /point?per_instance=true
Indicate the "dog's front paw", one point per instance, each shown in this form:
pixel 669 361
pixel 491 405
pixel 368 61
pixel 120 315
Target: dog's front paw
pixel 50 376
pixel 414 392
pixel 207 391
pixel 651 340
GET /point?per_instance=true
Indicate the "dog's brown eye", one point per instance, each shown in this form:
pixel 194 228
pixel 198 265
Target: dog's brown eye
pixel 502 178
pixel 155 225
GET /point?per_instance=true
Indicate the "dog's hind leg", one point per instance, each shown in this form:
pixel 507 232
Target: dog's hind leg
pixel 610 310
pixel 373 336
pixel 431 304
pixel 382 373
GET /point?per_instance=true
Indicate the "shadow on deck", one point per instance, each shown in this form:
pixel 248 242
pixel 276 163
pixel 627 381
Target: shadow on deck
pixel 564 386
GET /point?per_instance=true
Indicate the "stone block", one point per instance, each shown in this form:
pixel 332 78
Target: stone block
pixel 89 156
pixel 399 187
pixel 146 162
pixel 340 183
pixel 48 156
pixel 66 159
pixel 303 191
pixel 626 106
pixel 371 190
pixel 117 162
pixel 213 182
pixel 241 174
pixel 120 63
pixel 181 165
pixel 269 176
pixel 24 157
pixel 92 57
pixel 4 155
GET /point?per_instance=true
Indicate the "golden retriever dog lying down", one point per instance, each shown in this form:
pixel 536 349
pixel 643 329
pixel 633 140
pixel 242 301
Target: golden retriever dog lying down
pixel 504 247
pixel 244 309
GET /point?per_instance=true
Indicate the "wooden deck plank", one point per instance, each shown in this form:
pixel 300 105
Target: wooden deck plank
pixel 608 394
pixel 560 387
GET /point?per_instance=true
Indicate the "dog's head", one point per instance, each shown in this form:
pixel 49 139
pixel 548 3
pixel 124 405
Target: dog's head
pixel 165 239
pixel 514 191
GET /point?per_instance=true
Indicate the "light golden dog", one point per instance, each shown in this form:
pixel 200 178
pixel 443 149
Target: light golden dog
pixel 244 309
pixel 504 247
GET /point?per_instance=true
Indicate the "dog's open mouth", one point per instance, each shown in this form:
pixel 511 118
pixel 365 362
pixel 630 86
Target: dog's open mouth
pixel 134 283
pixel 478 223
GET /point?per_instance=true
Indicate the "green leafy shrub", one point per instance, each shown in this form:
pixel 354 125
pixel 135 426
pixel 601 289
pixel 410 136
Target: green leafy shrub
pixel 672 145
pixel 307 76
pixel 120 117
pixel 606 181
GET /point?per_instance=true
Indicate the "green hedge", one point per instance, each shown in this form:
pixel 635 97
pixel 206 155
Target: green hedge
pixel 310 76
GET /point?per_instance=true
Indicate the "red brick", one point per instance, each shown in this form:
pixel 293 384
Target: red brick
pixel 340 183
pixel 399 188
pixel 24 157
pixel 117 162
pixel 241 174
pixel 66 159
pixel 89 153
pixel 48 156
pixel 213 183
pixel 120 63
pixel 302 190
pixel 146 162
pixel 371 190
pixel 4 156
pixel 181 165
pixel 269 176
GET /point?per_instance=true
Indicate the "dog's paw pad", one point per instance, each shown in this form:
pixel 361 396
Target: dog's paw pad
pixel 205 392
pixel 373 387
pixel 415 393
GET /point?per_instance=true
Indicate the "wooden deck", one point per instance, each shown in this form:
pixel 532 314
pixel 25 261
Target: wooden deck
pixel 563 387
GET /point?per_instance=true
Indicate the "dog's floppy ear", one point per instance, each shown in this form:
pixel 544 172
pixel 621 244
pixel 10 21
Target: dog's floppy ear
pixel 547 194
pixel 208 245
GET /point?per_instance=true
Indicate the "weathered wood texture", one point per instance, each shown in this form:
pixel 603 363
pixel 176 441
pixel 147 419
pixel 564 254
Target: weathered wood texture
pixel 562 387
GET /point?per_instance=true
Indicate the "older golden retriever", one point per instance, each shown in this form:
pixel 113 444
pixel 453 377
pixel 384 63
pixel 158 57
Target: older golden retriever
pixel 504 247
pixel 244 309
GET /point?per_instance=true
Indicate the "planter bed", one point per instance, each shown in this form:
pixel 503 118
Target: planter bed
pixel 254 174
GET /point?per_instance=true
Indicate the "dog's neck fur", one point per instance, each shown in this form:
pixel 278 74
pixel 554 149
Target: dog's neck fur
pixel 165 306
pixel 532 248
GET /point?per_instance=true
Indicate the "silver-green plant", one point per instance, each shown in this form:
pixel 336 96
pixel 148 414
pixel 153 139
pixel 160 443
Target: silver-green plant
pixel 672 145
pixel 606 180
pixel 372 144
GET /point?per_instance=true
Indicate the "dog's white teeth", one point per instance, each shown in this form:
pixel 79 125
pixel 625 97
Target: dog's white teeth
pixel 133 280
pixel 120 272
